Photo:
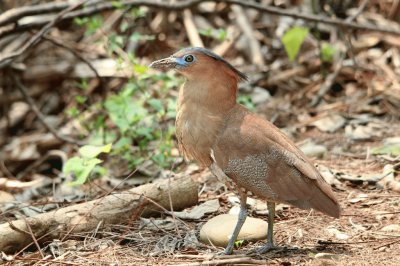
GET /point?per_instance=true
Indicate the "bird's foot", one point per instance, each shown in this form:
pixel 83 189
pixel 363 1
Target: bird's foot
pixel 227 251
pixel 268 248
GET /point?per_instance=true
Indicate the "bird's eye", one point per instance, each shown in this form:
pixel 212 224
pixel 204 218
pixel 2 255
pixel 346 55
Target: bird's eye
pixel 189 58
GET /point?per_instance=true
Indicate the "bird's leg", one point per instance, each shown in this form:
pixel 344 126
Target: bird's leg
pixel 270 234
pixel 242 218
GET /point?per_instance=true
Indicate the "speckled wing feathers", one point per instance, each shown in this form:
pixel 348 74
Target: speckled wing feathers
pixel 261 159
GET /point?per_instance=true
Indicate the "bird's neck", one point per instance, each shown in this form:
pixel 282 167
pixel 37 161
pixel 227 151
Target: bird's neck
pixel 208 95
pixel 201 114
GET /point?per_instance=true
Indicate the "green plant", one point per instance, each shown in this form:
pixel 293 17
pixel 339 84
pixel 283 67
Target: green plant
pixel 327 52
pixel 136 118
pixel 218 34
pixel 246 101
pixel 82 166
pixel 293 39
pixel 239 243
pixel 393 150
pixel 92 24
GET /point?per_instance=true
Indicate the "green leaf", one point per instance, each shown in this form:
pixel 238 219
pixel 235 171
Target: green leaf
pixel 81 21
pixel 327 52
pixel 138 12
pixel 293 39
pixel 206 32
pixel 221 34
pixel 72 112
pixel 393 150
pixel 89 151
pixel 80 168
pixel 124 112
pixel 101 136
pixel 117 4
pixel 156 104
pixel 171 108
pixel 80 99
pixel 239 243
pixel 247 101
pixel 139 69
pixel 136 36
pixel 145 132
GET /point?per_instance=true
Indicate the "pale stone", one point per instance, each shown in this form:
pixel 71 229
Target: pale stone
pixel 327 256
pixel 219 229
pixel 313 150
pixel 6 197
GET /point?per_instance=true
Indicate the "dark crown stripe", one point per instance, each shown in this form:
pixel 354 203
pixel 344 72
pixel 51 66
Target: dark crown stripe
pixel 207 52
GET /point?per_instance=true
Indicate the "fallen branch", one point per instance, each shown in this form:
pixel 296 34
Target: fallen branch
pixel 330 79
pixel 230 261
pixel 100 7
pixel 7 59
pixel 387 178
pixel 328 82
pixel 15 14
pixel 112 209
pixel 244 23
pixel 191 29
pixel 40 116
pixel 76 54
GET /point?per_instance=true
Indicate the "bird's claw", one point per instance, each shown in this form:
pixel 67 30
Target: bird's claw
pixel 225 252
pixel 267 248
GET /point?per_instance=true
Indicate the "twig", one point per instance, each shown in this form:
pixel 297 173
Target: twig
pixel 13 227
pixel 45 260
pixel 40 116
pixel 387 244
pixel 234 261
pixel 135 215
pixel 371 180
pixel 17 184
pixel 6 60
pixel 191 30
pixel 15 14
pixel 328 82
pixel 324 88
pixel 75 53
pixel 359 10
pixel 245 25
pixel 34 238
pixel 93 9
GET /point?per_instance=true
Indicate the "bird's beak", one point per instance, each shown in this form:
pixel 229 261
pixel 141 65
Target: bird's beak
pixel 165 63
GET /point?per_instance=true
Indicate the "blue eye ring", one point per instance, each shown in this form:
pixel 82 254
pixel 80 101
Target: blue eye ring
pixel 189 58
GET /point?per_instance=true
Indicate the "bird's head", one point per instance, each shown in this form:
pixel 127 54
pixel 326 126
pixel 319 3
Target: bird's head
pixel 197 63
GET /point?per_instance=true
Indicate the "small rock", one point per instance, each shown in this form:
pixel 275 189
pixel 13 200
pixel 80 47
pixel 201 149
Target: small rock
pixel 329 175
pixel 219 229
pixel 329 256
pixel 234 210
pixel 157 224
pixel 6 197
pixel 358 198
pixel 199 211
pixel 330 123
pixel 260 95
pixel 313 150
pixel 338 234
pixel 358 132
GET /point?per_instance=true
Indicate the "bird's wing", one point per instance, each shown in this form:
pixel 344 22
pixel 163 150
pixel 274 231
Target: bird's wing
pixel 260 158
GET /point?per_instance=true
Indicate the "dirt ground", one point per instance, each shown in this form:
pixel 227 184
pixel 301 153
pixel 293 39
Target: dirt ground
pixel 359 237
pixel 83 73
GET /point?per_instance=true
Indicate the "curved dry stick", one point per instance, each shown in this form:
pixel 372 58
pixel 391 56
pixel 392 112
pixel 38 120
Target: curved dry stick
pixel 40 116
pixel 96 8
